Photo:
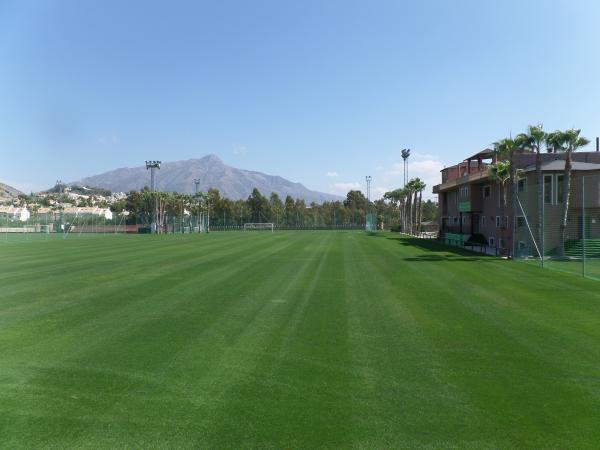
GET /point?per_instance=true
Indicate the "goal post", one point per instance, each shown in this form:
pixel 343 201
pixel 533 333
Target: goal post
pixel 262 226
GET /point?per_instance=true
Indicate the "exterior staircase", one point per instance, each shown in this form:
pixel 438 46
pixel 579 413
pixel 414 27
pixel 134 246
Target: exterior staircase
pixel 574 249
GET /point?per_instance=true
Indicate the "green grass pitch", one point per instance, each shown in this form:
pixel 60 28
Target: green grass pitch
pixel 291 340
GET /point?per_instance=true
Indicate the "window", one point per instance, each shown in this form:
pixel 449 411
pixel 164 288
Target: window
pixel 465 191
pixel 506 221
pixel 548 185
pixel 522 185
pixel 492 241
pixel 497 221
pixel 487 191
pixel 455 219
pixel 500 243
pixel 521 221
pixel 464 219
pixel 559 188
pixel 483 221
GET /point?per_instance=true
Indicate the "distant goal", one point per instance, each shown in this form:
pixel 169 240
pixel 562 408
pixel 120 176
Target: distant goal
pixel 262 226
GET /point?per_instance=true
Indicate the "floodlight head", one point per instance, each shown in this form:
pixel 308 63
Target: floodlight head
pixel 153 164
pixel 368 178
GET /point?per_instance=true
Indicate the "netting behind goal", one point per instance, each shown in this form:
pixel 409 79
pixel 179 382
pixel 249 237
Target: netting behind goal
pixel 258 227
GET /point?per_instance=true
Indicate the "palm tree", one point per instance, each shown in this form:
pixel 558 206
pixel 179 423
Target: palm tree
pixel 419 187
pixel 553 141
pixel 533 140
pixel 404 204
pixel 500 172
pixel 411 194
pixel 508 148
pixel 567 142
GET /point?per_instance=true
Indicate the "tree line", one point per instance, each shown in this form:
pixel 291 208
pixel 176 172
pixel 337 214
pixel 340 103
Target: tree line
pixel 409 202
pixel 391 212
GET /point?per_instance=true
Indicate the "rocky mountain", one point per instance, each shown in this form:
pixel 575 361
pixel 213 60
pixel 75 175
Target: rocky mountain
pixel 178 176
pixel 7 192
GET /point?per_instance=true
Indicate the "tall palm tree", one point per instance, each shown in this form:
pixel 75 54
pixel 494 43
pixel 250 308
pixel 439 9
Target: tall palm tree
pixel 508 148
pixel 407 203
pixel 404 199
pixel 412 197
pixel 500 172
pixel 567 142
pixel 419 187
pixel 533 140
pixel 554 141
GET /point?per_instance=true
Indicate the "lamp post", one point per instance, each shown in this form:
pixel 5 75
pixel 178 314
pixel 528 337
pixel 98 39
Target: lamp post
pixel 153 165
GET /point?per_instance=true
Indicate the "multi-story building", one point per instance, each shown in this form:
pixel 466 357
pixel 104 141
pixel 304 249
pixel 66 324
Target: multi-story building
pixel 472 207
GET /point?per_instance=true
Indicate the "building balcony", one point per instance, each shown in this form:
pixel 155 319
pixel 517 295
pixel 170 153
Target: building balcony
pixel 469 178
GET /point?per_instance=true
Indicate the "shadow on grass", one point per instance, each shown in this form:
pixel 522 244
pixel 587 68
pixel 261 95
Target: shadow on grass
pixel 446 257
pixel 438 251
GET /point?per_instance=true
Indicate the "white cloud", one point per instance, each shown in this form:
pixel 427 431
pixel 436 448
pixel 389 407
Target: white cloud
pixel 333 174
pixel 343 188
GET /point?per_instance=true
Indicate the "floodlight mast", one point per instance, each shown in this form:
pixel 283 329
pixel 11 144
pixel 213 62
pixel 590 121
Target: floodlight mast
pixel 368 179
pixel 153 165
pixel 405 155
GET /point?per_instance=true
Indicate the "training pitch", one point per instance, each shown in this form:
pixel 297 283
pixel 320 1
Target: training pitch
pixel 291 340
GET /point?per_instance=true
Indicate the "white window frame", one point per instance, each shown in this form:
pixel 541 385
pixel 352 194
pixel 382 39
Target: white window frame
pixel 483 220
pixel 555 194
pixel 500 243
pixel 498 222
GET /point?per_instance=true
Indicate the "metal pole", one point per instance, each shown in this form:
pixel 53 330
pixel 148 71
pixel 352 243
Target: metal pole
pixel 153 165
pixel 368 179
pixel 583 224
pixel 543 187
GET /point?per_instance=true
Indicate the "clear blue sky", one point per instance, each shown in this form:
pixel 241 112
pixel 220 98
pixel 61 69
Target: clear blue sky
pixel 321 92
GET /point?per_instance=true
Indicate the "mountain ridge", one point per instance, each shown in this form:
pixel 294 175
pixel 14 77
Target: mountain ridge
pixel 178 176
pixel 7 192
